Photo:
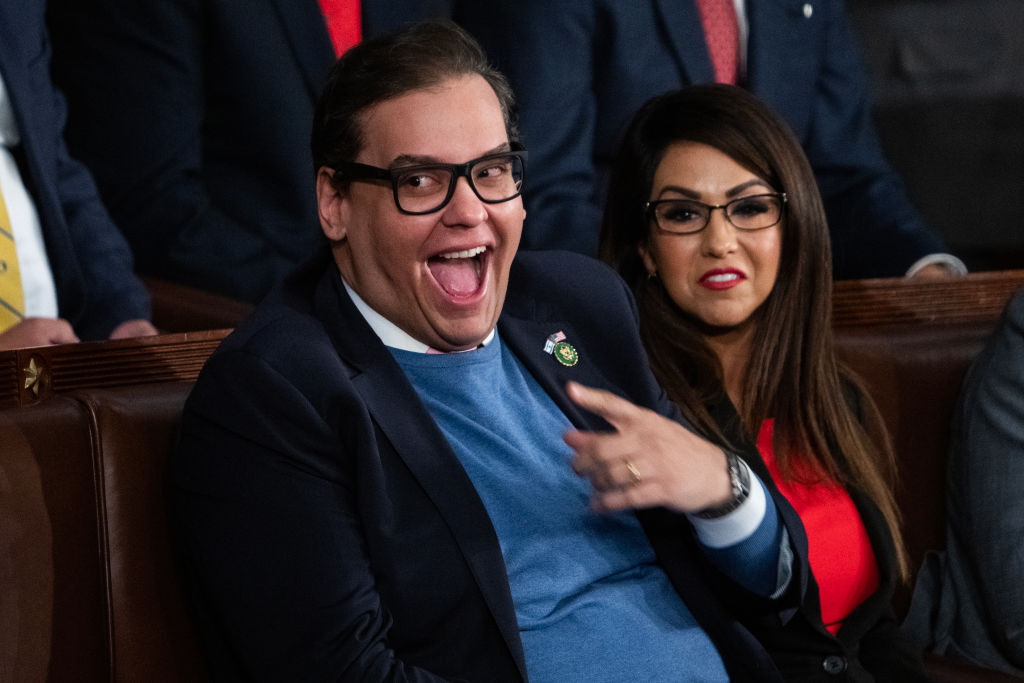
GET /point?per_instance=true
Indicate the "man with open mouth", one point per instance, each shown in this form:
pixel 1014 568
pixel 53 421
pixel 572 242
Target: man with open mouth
pixel 428 457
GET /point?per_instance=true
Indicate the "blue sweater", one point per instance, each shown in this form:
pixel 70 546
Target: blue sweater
pixel 590 600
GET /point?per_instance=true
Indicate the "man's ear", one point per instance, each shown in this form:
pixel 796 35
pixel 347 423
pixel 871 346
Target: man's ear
pixel 332 205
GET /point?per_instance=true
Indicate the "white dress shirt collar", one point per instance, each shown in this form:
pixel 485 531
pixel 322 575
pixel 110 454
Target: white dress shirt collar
pixel 391 334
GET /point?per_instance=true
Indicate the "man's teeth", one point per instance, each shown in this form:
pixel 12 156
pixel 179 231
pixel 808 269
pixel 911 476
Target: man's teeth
pixel 465 253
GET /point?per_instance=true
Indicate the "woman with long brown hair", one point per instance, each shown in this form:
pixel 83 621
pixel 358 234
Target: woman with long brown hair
pixel 714 220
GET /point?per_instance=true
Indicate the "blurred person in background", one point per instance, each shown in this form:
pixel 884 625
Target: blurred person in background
pixel 65 270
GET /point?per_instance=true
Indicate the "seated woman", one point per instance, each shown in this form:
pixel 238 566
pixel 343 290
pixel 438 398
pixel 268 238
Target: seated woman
pixel 715 222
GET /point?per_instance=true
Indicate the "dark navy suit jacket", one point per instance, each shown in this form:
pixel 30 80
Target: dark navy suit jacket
pixel 91 263
pixel 195 117
pixel 329 531
pixel 582 68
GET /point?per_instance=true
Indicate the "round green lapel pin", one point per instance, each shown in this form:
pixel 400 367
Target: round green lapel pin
pixel 566 354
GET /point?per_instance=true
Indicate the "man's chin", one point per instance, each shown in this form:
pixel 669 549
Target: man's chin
pixel 463 337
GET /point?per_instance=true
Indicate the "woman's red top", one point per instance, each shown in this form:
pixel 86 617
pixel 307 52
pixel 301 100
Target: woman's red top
pixel 840 553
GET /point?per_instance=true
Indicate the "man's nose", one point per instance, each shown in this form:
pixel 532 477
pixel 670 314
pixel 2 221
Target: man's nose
pixel 465 208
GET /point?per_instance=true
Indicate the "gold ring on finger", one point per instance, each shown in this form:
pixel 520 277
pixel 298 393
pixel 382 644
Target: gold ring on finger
pixel 634 473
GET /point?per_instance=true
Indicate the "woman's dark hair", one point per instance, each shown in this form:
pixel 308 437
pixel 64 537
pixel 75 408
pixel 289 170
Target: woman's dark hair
pixel 389 66
pixel 792 373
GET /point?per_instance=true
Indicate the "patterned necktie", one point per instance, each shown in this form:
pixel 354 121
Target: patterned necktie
pixel 344 23
pixel 12 298
pixel 722 33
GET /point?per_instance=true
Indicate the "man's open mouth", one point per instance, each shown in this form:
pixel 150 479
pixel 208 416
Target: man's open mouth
pixel 459 273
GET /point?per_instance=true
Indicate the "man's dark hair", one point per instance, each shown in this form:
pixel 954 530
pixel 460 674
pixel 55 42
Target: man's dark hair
pixel 382 68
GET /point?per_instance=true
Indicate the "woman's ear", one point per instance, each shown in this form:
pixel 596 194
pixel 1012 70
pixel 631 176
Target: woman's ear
pixel 332 206
pixel 645 255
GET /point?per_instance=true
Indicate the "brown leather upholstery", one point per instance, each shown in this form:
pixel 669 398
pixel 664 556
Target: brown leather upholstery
pixel 88 590
pixel 53 612
pixel 912 344
pixel 135 428
pixel 914 374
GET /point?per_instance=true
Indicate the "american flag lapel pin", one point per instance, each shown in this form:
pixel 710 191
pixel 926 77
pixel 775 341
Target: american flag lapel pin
pixel 563 351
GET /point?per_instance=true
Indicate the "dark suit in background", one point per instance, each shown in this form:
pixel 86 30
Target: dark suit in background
pixel 969 601
pixel 582 68
pixel 356 535
pixel 90 261
pixel 195 115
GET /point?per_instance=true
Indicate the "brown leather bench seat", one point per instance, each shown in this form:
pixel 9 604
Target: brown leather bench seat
pixel 88 590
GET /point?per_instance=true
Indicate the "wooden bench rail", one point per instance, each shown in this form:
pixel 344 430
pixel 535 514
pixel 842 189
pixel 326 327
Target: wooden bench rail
pixel 975 298
pixel 31 375
pixel 194 322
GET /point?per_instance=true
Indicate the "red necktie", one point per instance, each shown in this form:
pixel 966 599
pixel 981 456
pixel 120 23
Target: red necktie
pixel 344 23
pixel 722 33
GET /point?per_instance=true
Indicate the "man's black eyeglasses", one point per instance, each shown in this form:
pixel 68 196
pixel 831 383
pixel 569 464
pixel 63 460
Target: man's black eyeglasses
pixel 428 188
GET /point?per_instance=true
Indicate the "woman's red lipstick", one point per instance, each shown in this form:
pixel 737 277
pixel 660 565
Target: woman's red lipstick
pixel 722 278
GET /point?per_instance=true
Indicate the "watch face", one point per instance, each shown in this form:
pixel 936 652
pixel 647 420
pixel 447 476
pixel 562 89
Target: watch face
pixel 739 477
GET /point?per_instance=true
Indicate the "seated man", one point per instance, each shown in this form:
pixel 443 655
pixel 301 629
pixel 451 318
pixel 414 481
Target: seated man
pixel 65 271
pixel 394 470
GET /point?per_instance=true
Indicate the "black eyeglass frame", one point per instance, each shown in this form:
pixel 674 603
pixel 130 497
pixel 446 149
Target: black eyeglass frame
pixel 355 171
pixel 650 206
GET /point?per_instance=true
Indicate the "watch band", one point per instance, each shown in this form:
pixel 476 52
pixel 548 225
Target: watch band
pixel 739 478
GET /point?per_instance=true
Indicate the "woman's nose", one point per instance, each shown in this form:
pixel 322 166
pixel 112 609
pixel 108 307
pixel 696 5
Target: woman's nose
pixel 719 235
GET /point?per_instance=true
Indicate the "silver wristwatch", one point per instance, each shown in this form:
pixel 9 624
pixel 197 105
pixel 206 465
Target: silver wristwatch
pixel 739 477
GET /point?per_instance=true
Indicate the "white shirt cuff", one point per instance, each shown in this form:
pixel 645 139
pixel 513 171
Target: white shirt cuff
pixel 955 265
pixel 737 525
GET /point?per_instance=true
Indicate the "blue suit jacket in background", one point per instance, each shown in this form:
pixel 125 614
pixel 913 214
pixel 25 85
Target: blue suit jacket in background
pixel 91 263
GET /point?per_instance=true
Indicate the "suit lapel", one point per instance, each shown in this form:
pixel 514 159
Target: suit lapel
pixel 11 32
pixel 17 82
pixel 679 21
pixel 307 32
pixel 526 340
pixel 401 416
